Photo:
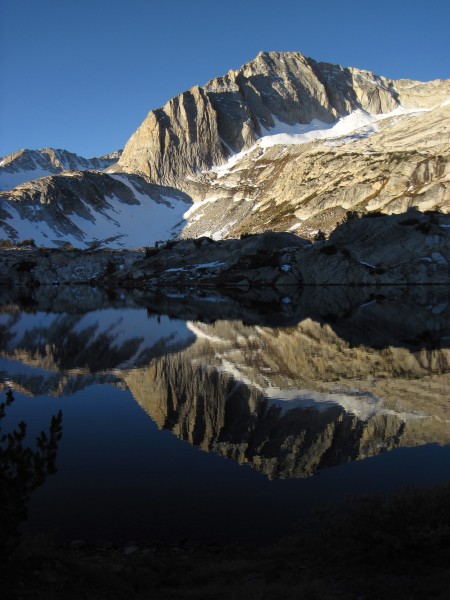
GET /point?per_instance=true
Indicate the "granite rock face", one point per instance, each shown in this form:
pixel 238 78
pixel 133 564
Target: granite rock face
pixel 201 127
pixel 282 144
pixel 311 186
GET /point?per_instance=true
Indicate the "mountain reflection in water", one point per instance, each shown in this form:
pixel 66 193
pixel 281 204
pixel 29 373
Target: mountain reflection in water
pixel 306 382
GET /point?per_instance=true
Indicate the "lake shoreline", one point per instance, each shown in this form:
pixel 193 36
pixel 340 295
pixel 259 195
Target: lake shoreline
pixel 395 544
pixel 386 250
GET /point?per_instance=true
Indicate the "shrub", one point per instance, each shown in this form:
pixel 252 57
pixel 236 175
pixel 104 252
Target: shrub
pixel 25 266
pixel 409 222
pixel 424 228
pixel 22 470
pixel 150 251
pixel 373 215
pixel 320 236
pixel 350 215
pixel 110 267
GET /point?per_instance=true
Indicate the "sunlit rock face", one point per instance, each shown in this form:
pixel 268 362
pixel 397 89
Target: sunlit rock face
pixel 304 186
pixel 199 128
pixel 282 144
pixel 367 144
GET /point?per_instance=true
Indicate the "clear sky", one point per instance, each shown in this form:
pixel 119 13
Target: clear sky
pixel 83 74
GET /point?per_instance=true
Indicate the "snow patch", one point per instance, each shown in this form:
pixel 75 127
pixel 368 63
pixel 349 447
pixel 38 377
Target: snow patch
pixel 357 124
pixel 357 121
pixel 8 181
pixel 210 265
pixel 120 225
pixel 363 405
pixel 199 333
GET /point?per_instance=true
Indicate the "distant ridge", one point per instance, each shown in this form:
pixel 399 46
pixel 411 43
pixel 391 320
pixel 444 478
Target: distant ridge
pixel 25 165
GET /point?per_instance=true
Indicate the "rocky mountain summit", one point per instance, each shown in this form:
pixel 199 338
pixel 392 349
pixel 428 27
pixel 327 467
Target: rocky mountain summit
pixel 206 125
pixel 26 165
pixel 284 143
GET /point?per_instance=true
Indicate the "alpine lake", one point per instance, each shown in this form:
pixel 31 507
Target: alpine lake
pixel 224 417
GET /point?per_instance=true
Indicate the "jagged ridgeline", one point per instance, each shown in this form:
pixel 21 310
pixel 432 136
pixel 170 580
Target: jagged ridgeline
pixel 205 125
pixel 283 143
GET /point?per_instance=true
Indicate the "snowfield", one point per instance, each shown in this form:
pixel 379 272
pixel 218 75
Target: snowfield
pixel 120 225
pixel 8 181
pixel 357 124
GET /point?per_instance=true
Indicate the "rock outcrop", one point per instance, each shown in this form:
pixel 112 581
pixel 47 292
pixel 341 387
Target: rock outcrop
pixel 412 248
pixel 203 126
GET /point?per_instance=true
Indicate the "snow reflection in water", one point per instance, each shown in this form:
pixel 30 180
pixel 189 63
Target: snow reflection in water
pixel 287 402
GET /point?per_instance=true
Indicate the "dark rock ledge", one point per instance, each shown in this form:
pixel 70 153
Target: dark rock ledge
pixel 412 248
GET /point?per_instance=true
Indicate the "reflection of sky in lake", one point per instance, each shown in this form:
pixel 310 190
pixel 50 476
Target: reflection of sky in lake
pixel 119 477
pixel 124 473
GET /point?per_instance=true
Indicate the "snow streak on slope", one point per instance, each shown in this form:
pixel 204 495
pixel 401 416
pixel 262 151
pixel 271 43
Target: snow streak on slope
pixel 136 225
pixel 357 124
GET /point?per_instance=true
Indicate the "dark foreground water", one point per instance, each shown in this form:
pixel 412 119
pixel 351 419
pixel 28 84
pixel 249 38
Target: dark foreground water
pixel 226 419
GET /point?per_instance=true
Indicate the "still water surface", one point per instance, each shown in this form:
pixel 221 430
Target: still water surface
pixel 228 429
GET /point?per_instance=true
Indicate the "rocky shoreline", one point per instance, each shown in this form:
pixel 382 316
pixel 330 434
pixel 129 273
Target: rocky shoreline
pixel 411 248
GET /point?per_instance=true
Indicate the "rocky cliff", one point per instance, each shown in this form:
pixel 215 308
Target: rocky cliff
pixel 205 125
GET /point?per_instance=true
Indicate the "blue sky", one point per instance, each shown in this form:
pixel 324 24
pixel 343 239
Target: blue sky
pixel 83 74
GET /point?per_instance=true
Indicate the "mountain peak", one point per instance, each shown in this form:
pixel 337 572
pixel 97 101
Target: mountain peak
pixel 25 164
pixel 282 143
